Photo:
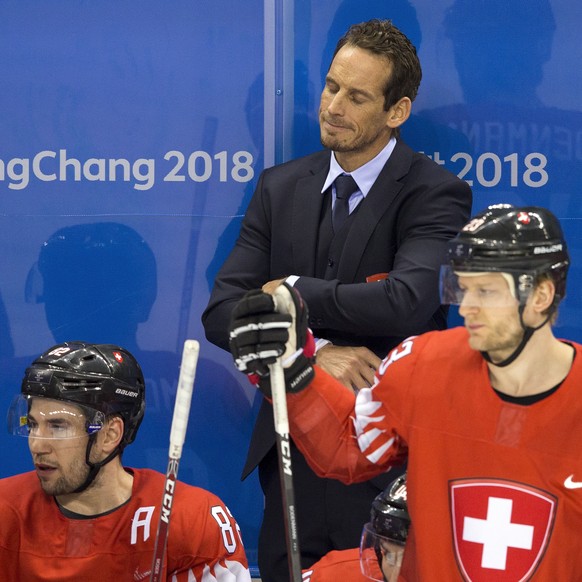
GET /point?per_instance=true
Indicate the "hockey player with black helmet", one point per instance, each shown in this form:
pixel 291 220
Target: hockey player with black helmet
pixel 488 414
pixel 525 245
pixel 384 536
pixel 101 381
pixel 382 545
pixel 91 518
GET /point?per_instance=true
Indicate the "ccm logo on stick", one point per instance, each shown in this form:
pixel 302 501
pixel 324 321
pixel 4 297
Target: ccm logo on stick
pixel 286 454
pixel 169 493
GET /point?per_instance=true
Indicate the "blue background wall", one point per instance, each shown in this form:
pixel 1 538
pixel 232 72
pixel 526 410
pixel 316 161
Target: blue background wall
pixel 192 100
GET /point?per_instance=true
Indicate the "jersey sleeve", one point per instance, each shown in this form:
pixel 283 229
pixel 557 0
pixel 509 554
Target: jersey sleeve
pixel 207 542
pixel 351 438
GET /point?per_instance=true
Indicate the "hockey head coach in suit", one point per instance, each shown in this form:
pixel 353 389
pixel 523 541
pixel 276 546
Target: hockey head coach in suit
pixel 369 266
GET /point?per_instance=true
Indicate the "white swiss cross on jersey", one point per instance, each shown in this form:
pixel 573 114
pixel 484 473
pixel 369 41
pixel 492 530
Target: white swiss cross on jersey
pixel 500 528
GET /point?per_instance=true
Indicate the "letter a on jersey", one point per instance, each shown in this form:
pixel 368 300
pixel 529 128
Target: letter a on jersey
pixel 500 528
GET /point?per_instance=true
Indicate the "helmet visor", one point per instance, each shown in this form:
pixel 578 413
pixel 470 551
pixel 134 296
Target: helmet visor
pixel 483 288
pixel 380 557
pixel 47 418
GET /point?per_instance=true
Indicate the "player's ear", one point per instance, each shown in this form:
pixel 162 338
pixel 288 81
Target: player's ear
pixel 399 112
pixel 543 296
pixel 112 434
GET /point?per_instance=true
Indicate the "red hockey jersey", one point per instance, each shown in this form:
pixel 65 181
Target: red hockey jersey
pixel 494 488
pixel 336 566
pixel 37 542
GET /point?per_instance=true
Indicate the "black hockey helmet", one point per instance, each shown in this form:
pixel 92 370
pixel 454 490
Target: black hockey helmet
pixel 384 536
pixel 389 514
pixel 102 377
pixel 524 242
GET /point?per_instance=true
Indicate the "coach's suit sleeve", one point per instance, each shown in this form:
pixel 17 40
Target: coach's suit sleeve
pixel 247 267
pixel 263 251
pixel 433 206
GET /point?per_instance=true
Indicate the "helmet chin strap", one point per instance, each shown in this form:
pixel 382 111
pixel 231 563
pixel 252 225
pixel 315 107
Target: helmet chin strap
pixel 94 468
pixel 527 334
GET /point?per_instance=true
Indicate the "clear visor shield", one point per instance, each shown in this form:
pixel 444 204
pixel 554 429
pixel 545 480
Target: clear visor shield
pixel 483 289
pixel 37 417
pixel 380 557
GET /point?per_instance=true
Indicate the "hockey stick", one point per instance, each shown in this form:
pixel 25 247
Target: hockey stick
pixel 177 437
pixel 279 397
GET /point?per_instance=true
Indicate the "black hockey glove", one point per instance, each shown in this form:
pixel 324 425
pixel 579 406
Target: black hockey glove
pixel 265 327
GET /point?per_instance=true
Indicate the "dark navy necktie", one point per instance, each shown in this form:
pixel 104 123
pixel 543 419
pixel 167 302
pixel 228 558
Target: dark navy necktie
pixel 345 186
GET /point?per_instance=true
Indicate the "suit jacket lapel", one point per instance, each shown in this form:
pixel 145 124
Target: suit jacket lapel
pixel 305 221
pixel 377 202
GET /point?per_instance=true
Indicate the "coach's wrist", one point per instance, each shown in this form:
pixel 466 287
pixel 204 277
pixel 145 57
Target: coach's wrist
pixel 321 343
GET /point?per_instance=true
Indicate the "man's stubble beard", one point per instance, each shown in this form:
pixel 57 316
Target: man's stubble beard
pixel 67 484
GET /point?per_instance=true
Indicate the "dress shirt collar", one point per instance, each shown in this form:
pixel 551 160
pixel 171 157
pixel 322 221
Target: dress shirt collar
pixel 365 175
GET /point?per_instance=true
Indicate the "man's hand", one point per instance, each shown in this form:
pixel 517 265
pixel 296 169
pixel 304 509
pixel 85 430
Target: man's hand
pixel 270 286
pixel 265 327
pixel 354 367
